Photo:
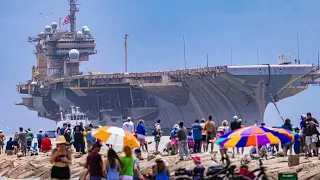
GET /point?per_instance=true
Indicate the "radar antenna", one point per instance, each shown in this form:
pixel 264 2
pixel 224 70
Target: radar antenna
pixel 126 52
pixel 318 63
pixel 72 15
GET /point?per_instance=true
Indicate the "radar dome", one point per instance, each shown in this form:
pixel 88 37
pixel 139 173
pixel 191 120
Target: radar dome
pixel 86 31
pixel 84 27
pixel 41 33
pixel 79 33
pixel 74 54
pixel 47 28
pixel 54 25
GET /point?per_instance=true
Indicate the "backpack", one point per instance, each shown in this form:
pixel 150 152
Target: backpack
pixel 154 132
pixel 309 128
pixel 67 136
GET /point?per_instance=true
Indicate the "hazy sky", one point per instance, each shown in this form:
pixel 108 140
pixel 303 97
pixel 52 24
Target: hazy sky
pixel 155 31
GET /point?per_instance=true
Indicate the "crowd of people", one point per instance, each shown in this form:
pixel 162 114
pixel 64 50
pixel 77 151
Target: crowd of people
pixel 182 141
pixel 21 142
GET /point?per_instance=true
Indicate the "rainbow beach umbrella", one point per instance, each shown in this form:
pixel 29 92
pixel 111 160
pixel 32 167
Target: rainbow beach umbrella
pixel 292 134
pixel 116 136
pixel 252 136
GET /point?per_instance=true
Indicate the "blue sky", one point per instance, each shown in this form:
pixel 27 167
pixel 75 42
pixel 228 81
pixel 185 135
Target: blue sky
pixel 155 29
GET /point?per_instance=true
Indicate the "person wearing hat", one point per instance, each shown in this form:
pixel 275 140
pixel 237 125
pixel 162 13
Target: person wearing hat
pixel 39 139
pixel 199 168
pixel 297 141
pixel 128 125
pixel 30 137
pixel 2 140
pixel 223 150
pixel 173 140
pixel 234 125
pixel 302 133
pixel 310 129
pixel 94 163
pixel 61 159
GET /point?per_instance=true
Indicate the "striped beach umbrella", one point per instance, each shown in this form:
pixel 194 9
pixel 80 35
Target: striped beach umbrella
pixel 118 137
pixel 292 134
pixel 252 136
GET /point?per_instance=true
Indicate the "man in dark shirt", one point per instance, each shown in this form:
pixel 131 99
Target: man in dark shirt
pixel 234 125
pixel 94 163
pixel 311 132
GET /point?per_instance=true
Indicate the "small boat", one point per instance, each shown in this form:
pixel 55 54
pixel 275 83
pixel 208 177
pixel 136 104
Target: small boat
pixel 74 118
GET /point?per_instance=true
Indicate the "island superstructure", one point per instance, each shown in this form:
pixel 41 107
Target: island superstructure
pixel 172 96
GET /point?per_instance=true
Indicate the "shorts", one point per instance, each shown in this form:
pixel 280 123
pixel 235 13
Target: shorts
pixel 209 137
pixel 29 143
pixel 60 172
pixel 23 146
pixel 311 139
pixel 39 144
pixel 303 140
pixel 157 139
pixel 140 136
pixel 174 141
pixel 204 137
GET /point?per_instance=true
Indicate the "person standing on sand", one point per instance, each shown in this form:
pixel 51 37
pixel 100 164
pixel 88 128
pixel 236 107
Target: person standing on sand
pixel 39 139
pixel 303 133
pixel 2 140
pixel 112 165
pixel 157 134
pixel 90 139
pixel 127 164
pixel 204 135
pixel 210 127
pixel 23 141
pixel 182 141
pixel 141 133
pixel 197 136
pixel 30 137
pixel 46 144
pixel 241 126
pixel 128 125
pixel 94 163
pixel 234 125
pixel 61 159
pixel 310 127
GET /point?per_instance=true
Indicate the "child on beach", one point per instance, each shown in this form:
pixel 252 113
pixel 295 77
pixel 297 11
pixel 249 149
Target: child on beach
pixel 199 169
pixel 223 150
pixel 296 145
pixel 190 141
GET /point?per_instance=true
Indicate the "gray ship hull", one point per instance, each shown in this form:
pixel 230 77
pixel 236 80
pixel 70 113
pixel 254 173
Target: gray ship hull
pixel 244 91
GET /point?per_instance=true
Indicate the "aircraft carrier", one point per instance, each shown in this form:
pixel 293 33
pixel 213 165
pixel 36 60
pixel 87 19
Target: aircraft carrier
pixel 172 96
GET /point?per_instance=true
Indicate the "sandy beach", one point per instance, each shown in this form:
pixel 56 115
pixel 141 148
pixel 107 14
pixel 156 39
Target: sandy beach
pixel 39 166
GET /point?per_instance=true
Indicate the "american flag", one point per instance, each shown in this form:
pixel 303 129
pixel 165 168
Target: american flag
pixel 66 20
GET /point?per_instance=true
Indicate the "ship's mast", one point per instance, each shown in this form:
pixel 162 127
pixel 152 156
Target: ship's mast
pixel 72 16
pixel 126 52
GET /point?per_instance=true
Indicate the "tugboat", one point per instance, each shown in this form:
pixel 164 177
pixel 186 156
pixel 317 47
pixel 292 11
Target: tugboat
pixel 74 118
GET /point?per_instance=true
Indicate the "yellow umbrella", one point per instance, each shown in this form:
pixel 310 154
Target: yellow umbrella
pixel 116 136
